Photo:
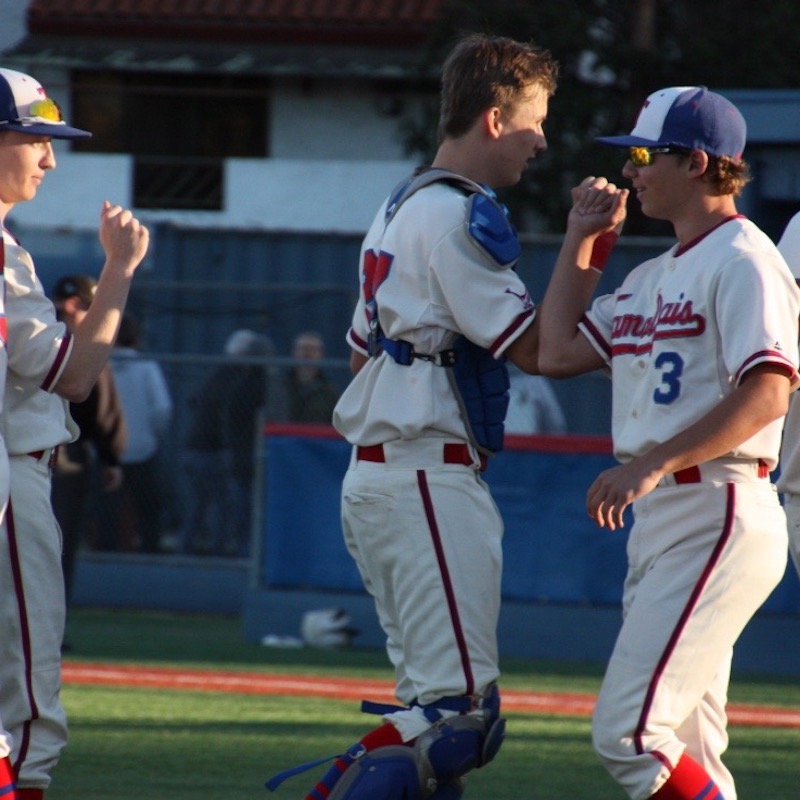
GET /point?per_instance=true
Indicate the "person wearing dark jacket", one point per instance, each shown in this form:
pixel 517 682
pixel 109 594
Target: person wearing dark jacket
pixel 103 434
pixel 311 395
pixel 219 459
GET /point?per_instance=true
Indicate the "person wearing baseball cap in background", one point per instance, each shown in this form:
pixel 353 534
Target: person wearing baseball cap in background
pixel 701 345
pixel 48 366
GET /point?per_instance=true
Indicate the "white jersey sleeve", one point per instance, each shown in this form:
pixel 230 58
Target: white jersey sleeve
pixel 430 283
pixel 38 348
pixel 789 245
pixel 684 328
pixel 789 480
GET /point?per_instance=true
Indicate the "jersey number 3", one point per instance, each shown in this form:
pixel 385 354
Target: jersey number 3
pixel 671 366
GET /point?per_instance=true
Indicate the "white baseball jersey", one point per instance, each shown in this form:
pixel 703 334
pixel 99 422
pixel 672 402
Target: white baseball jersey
pixel 684 328
pixel 447 286
pixel 789 480
pixel 5 738
pixel 34 421
pixel 39 347
pixel 704 554
pixel 425 532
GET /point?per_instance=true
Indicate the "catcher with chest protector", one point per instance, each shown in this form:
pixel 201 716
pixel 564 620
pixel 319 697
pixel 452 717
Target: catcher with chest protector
pixel 440 309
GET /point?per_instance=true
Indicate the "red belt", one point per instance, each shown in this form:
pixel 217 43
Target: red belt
pixel 452 453
pixel 37 454
pixel 688 475
pixel 692 474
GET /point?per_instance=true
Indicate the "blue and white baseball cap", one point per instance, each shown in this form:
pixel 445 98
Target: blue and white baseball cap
pixel 26 108
pixel 687 116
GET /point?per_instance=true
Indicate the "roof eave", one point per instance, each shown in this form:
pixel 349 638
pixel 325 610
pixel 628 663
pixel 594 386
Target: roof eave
pixel 366 34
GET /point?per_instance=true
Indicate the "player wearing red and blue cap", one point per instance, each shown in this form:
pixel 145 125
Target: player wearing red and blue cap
pixel 701 346
pixel 47 366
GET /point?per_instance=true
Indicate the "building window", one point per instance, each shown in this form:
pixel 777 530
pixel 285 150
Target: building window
pixel 178 128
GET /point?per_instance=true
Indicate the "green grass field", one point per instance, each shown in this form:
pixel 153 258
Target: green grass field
pixel 161 744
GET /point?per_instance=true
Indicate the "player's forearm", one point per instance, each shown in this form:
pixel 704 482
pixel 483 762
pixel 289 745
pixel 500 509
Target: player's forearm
pixel 567 296
pixel 598 208
pixel 80 374
pixel 94 337
pixel 761 399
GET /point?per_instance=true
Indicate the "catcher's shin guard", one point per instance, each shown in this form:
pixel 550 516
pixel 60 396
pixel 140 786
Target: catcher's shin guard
pixel 453 747
pixel 430 769
pixel 384 737
pixel 392 773
pixel 387 773
pixel 381 737
pixel 382 767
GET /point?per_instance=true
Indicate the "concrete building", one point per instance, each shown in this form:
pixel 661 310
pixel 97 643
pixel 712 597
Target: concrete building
pixel 260 120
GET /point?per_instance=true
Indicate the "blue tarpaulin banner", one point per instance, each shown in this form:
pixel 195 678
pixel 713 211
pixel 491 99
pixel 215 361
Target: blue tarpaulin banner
pixel 553 552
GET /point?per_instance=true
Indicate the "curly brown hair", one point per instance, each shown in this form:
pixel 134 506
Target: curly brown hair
pixel 727 175
pixel 482 72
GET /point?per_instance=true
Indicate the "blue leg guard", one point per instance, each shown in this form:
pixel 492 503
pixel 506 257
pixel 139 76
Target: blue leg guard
pixel 430 769
pixel 386 773
pixel 453 747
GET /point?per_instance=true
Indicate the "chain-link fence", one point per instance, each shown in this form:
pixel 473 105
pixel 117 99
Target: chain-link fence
pixel 196 494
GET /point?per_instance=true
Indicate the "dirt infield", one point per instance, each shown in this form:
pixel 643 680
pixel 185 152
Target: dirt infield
pixel 356 689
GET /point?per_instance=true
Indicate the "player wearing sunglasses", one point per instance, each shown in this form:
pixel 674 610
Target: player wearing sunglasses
pixel 701 346
pixel 47 367
pixel 643 156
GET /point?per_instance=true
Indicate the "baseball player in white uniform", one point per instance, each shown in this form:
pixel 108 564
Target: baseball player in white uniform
pixel 440 308
pixel 701 346
pixel 7 781
pixel 47 366
pixel 789 479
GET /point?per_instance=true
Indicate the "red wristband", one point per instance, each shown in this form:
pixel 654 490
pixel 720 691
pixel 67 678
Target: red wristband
pixel 603 245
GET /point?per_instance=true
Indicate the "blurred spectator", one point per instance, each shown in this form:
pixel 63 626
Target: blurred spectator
pixel 220 446
pixel 147 406
pixel 533 406
pixel 205 464
pixel 311 395
pixel 253 397
pixel 103 434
